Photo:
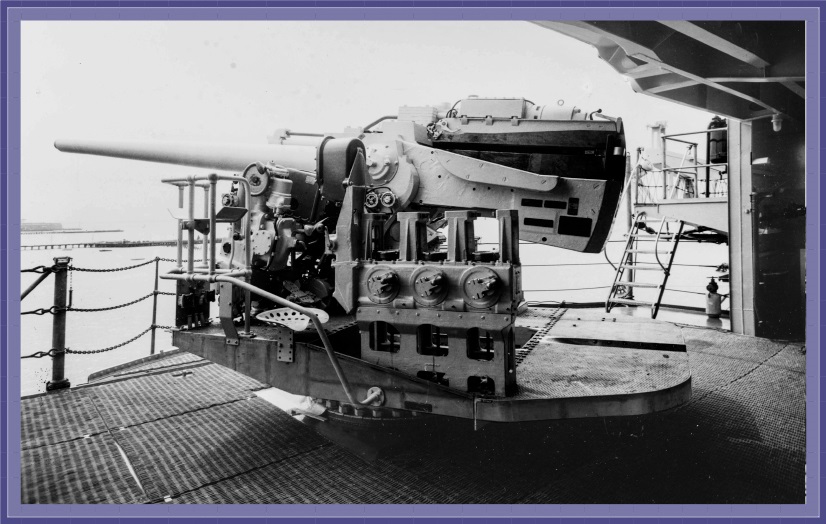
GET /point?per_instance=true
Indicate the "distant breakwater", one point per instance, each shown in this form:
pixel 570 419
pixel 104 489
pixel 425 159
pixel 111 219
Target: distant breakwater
pixel 73 230
pixel 108 244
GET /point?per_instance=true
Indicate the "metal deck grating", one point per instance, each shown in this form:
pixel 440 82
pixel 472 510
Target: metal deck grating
pixel 85 471
pixel 191 450
pixel 296 481
pixel 58 417
pixel 206 438
pixel 157 396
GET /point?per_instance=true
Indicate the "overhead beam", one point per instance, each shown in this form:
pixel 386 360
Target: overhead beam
pixel 795 88
pixel 671 87
pixel 707 82
pixel 762 79
pixel 721 44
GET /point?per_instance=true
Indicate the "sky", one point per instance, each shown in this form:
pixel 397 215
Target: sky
pixel 240 81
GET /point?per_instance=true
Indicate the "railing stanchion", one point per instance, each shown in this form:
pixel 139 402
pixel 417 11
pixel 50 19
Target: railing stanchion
pixel 207 240
pixel 154 307
pixel 61 271
pixel 180 245
pixel 190 227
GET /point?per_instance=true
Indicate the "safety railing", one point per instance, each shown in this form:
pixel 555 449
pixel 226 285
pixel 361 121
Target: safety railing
pixel 683 181
pixel 232 276
pixel 607 264
pixel 63 304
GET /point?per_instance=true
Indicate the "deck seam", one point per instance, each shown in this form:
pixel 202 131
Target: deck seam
pixel 122 452
pixel 148 373
pixel 694 400
pixel 202 408
pixel 119 428
pixel 145 360
pixel 129 374
pixel 728 357
pixel 239 474
pixel 57 442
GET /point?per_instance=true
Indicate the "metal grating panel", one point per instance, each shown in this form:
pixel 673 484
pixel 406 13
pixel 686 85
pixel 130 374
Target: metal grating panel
pixel 85 471
pixel 153 397
pixel 741 439
pixel 183 453
pixel 296 480
pixel 57 417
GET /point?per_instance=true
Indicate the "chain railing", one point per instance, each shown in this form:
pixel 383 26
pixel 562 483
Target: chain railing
pixel 61 269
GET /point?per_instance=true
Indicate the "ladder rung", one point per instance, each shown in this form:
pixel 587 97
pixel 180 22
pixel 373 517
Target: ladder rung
pixel 637 284
pixel 643 268
pixel 630 302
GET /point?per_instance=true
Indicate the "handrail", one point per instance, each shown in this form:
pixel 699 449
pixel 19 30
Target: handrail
pixel 291 305
pixel 37 282
pixel 703 132
pixel 657 242
pixel 213 179
pixel 313 317
pixel 695 166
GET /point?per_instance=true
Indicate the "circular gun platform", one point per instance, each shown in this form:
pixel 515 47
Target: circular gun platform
pixel 590 364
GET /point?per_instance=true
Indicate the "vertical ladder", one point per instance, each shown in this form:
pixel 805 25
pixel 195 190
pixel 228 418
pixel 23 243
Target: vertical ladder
pixel 622 289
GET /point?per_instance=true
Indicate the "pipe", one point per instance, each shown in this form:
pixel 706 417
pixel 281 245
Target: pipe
pixel 247 198
pixel 207 237
pixel 379 120
pixel 295 307
pixel 376 395
pixel 190 247
pixel 316 322
pixel 37 282
pixel 213 183
pixel 180 247
pixel 703 132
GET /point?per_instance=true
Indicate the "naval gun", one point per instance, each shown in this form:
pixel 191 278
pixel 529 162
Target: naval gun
pixel 374 228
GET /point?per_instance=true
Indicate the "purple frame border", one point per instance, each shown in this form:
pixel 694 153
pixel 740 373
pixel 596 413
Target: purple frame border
pixel 11 15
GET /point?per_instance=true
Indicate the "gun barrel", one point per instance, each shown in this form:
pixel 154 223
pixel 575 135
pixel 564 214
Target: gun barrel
pixel 219 156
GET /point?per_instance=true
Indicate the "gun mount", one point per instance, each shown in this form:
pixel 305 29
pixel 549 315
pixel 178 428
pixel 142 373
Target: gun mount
pixel 376 228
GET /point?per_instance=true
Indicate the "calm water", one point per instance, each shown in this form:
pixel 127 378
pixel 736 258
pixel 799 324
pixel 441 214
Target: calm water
pixel 574 273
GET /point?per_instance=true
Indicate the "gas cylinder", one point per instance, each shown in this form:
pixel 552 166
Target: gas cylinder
pixel 717 143
pixel 713 300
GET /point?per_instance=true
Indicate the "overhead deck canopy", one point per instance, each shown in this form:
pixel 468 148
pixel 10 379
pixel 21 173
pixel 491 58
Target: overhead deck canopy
pixel 741 70
pixel 745 71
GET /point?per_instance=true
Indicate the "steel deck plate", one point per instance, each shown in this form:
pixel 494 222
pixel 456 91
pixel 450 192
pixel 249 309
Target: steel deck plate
pixel 566 361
